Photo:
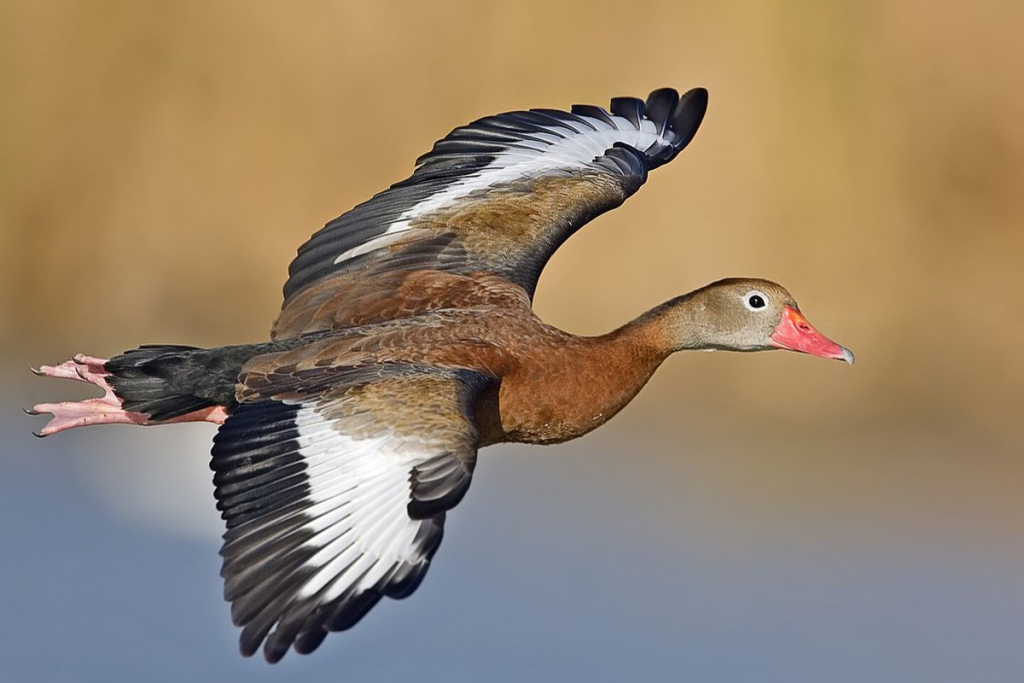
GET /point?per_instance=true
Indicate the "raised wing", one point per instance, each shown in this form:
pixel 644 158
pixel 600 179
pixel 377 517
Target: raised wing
pixel 334 488
pixel 497 196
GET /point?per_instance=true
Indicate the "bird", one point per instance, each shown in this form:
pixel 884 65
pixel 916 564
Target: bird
pixel 406 342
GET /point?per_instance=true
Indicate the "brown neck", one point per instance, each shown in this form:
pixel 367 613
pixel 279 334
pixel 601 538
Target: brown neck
pixel 564 390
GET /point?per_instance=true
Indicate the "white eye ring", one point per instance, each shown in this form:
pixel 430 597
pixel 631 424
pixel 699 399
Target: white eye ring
pixel 756 301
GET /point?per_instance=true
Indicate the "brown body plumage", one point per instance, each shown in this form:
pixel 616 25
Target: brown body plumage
pixel 551 386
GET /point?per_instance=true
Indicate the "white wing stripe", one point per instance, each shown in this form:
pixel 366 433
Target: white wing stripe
pixel 525 159
pixel 359 524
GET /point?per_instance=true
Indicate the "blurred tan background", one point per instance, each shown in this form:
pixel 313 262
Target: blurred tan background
pixel 160 162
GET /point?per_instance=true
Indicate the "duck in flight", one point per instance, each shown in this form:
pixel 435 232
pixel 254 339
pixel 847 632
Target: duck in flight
pixel 407 342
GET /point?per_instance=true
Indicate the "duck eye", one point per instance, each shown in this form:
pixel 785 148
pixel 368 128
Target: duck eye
pixel 754 300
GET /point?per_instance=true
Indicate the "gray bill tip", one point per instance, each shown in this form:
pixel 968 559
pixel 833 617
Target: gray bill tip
pixel 848 355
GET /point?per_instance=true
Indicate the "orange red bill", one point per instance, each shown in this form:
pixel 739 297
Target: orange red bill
pixel 794 333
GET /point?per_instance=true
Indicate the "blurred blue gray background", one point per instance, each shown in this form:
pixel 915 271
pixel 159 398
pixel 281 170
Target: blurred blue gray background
pixel 761 517
pixel 606 560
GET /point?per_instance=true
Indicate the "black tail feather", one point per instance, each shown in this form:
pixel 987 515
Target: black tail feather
pixel 154 380
pixel 167 381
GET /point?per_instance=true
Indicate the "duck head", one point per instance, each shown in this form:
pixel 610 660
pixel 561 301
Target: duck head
pixel 746 314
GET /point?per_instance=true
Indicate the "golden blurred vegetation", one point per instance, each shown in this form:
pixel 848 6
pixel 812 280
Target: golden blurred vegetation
pixel 161 161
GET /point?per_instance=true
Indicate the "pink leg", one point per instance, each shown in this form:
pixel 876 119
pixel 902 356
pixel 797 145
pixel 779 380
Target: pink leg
pixel 104 410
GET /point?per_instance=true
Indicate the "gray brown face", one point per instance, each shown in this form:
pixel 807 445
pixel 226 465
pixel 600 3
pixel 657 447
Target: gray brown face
pixel 747 314
pixel 739 314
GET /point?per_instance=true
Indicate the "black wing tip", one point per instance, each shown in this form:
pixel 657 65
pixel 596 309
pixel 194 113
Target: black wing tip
pixel 693 95
pixel 698 93
pixel 688 115
pixel 659 107
pixel 676 117
pixel 308 641
pixel 248 647
pixel 473 146
pixel 274 652
pixel 307 638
